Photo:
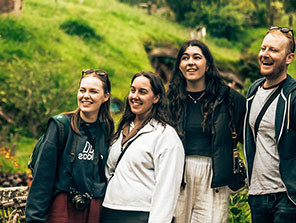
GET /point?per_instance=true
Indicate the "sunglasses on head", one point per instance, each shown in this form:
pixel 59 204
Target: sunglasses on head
pixel 97 72
pixel 285 30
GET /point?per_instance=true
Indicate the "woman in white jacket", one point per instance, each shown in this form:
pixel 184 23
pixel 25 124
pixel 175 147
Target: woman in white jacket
pixel 144 183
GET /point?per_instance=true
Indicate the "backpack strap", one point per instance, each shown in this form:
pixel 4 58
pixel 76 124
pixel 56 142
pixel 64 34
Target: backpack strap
pixel 266 105
pixel 63 123
pixel 121 154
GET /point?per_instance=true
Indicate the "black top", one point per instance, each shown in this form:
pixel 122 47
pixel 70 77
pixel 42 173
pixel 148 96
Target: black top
pixel 197 142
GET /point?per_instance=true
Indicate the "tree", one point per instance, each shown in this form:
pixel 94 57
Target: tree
pixel 290 7
pixel 181 7
pixel 33 95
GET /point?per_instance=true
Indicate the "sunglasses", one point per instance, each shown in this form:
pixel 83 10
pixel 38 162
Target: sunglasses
pixel 97 72
pixel 285 30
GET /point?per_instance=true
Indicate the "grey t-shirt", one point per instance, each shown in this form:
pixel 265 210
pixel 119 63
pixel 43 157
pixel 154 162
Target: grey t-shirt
pixel 265 176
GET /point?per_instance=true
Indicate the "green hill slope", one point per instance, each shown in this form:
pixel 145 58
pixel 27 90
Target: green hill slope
pixel 66 37
pixel 62 38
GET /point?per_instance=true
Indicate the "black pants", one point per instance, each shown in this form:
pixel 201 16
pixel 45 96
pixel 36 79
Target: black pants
pixel 272 208
pixel 119 216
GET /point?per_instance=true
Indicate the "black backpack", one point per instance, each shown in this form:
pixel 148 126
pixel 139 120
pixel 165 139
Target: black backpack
pixel 63 128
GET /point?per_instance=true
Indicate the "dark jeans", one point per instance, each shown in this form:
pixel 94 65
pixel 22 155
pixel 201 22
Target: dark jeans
pixel 276 208
pixel 119 216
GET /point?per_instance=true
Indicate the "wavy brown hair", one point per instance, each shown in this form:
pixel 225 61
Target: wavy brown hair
pixel 177 88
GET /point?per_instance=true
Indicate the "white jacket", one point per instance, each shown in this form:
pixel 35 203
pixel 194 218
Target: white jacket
pixel 149 175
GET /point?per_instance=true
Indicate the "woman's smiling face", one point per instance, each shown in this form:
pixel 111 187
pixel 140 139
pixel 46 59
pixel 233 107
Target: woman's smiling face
pixel 141 97
pixel 193 65
pixel 90 97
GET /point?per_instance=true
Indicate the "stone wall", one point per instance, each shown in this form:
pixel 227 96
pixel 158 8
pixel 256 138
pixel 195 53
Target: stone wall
pixel 11 6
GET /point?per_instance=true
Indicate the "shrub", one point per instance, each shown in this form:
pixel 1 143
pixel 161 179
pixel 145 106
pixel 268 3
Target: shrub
pixel 221 21
pixel 8 162
pixel 258 17
pixel 239 210
pixel 248 67
pixel 79 28
pixel 13 30
pixel 35 94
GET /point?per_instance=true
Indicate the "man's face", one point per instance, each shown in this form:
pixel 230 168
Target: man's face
pixel 273 57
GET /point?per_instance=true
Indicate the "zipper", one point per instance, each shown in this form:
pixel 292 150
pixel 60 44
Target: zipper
pixel 213 132
pixel 284 115
pixel 244 133
pixel 289 104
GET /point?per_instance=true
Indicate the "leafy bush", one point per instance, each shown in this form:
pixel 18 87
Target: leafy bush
pixel 8 162
pixel 13 30
pixel 180 8
pixel 248 67
pixel 79 28
pixel 35 94
pixel 239 210
pixel 221 21
pixel 258 17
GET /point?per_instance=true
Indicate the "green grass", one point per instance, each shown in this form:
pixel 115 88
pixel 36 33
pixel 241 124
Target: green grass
pixel 36 38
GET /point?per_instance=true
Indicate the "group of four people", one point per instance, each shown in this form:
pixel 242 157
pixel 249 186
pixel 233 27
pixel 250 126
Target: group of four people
pixel 171 157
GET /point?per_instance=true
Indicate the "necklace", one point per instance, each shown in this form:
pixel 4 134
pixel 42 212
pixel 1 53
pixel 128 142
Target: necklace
pixel 196 100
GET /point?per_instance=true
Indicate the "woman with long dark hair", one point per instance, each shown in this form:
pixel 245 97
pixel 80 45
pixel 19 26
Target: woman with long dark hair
pixel 146 159
pixel 206 114
pixel 68 179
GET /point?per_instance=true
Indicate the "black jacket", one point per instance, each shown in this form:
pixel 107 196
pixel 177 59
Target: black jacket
pixel 222 142
pixel 52 174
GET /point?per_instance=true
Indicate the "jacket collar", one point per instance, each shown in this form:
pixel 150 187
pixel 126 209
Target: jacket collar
pixel 97 123
pixel 222 93
pixel 290 85
pixel 149 127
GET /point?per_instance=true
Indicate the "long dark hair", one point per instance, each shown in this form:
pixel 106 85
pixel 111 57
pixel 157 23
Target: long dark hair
pixel 159 110
pixel 177 87
pixel 104 112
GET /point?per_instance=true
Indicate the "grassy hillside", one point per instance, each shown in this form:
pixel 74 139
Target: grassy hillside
pixel 67 36
pixel 105 35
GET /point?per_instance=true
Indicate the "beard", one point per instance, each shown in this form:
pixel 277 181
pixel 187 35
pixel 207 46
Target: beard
pixel 276 72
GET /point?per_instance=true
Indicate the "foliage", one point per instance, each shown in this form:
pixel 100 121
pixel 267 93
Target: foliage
pixel 289 6
pixel 220 21
pixel 41 90
pixel 8 162
pixel 11 29
pixel 257 16
pixel 239 210
pixel 80 28
pixel 135 2
pixel 248 67
pixel 42 54
pixel 180 8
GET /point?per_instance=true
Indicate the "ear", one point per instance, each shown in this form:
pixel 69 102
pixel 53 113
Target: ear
pixel 290 57
pixel 106 96
pixel 156 99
